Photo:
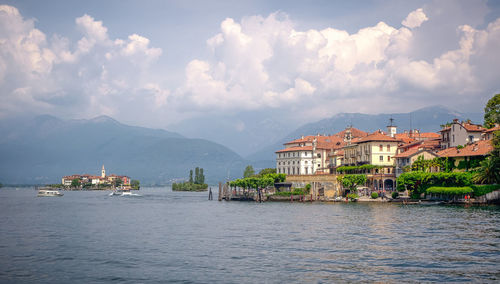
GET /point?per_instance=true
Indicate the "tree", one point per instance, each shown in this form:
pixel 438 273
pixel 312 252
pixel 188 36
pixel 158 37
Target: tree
pixel 135 184
pixel 352 181
pixel 489 172
pixel 202 176
pixel 264 172
pixel 191 176
pixel 75 183
pixel 197 175
pixel 249 171
pixel 492 112
pixel 118 182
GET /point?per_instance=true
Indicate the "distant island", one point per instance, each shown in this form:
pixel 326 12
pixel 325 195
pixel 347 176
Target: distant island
pixel 196 184
pixel 91 182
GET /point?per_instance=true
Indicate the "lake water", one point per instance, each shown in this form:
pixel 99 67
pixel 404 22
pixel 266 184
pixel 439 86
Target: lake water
pixel 165 236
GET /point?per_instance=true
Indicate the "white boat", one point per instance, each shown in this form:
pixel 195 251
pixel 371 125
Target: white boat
pixel 123 192
pixel 48 193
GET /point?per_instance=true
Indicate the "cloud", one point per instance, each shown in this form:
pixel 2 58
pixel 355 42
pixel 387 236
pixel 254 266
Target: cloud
pixel 92 76
pixel 265 62
pixel 415 19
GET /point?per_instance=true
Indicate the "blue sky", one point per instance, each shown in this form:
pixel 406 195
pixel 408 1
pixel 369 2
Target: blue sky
pixel 168 64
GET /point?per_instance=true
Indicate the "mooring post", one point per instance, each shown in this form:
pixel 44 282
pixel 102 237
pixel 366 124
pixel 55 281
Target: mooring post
pixel 210 194
pixel 220 191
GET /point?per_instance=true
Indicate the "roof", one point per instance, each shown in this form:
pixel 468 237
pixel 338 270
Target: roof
pixel 496 128
pixel 473 127
pixel 294 149
pixel 377 136
pixel 354 132
pixel 479 148
pixel 412 152
pixel 431 143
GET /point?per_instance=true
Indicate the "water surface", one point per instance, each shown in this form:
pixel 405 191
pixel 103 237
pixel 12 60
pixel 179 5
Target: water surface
pixel 165 236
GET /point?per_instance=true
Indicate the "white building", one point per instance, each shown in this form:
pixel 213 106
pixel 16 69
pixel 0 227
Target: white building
pixel 460 133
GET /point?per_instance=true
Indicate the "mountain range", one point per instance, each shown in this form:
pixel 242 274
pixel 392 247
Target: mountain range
pixel 45 148
pixel 42 149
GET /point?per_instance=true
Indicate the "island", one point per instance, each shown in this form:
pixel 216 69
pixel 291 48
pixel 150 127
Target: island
pixel 196 184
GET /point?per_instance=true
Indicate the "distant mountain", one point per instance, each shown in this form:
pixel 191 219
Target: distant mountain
pixel 244 133
pixel 45 148
pixel 426 119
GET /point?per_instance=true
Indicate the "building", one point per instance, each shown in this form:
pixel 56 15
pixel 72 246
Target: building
pixel 407 158
pixel 95 180
pixel 460 133
pixel 469 156
pixel 310 154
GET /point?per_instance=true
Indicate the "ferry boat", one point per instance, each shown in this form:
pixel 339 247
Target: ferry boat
pixel 48 193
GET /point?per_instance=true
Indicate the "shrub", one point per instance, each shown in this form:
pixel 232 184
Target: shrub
pixel 452 190
pixel 352 196
pixel 419 182
pixel 480 190
pixel 395 194
pixel 374 195
pixel 297 191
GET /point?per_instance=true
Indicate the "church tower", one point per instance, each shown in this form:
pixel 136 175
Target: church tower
pixel 391 129
pixel 103 172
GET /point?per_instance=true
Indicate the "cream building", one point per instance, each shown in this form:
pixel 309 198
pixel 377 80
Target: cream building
pixel 460 133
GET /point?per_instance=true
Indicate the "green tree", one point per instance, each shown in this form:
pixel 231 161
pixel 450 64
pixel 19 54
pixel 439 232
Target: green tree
pixel 197 175
pixel 202 176
pixel 266 171
pixel 118 182
pixel 135 184
pixel 191 176
pixel 351 182
pixel 75 183
pixel 488 173
pixel 249 171
pixel 492 112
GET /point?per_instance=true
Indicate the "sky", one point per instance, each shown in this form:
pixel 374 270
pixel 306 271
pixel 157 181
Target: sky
pixel 169 64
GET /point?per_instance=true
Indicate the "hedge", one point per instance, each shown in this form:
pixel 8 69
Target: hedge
pixel 480 190
pixel 419 182
pixel 297 191
pixel 351 168
pixel 450 190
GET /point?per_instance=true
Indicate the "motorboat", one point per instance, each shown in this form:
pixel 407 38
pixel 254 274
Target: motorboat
pixel 123 192
pixel 48 193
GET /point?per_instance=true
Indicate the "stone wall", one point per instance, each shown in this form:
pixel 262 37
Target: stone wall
pixel 323 187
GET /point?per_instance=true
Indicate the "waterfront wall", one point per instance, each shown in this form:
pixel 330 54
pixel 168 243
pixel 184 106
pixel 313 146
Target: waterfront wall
pixel 492 197
pixel 323 187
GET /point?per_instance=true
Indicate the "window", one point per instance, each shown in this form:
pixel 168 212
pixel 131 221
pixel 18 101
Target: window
pixel 306 170
pixel 318 166
pixel 293 169
pixel 388 158
pixel 471 138
pixel 381 158
pixel 453 137
pixel 381 148
pixel 388 148
pixel 319 155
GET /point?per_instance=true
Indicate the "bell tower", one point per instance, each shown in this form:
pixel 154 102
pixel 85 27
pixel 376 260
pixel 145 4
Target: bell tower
pixel 391 129
pixel 103 172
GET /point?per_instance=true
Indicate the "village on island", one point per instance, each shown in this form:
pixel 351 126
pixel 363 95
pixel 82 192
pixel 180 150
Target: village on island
pixel 102 182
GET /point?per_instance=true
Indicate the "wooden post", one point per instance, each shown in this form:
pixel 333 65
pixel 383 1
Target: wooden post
pixel 220 191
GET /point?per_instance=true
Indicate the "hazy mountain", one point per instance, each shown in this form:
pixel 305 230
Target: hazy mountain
pixel 426 119
pixel 245 133
pixel 43 149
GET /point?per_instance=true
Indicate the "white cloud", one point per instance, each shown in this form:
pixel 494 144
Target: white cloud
pixel 95 75
pixel 415 19
pixel 265 62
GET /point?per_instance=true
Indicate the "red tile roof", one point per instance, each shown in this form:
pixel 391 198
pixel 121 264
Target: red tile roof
pixel 496 128
pixel 293 149
pixel 473 127
pixel 413 151
pixel 377 136
pixel 479 148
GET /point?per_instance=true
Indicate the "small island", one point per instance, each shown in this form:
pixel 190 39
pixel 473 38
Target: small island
pixel 92 182
pixel 196 184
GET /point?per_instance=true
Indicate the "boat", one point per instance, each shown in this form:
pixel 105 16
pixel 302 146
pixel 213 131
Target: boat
pixel 123 192
pixel 48 193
